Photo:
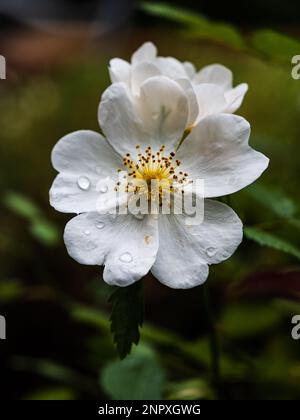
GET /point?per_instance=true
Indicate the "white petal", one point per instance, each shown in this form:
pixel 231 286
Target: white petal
pixel 211 99
pixel 140 73
pixel 216 74
pixel 217 151
pixel 66 195
pixel 119 71
pixel 192 101
pixel 190 69
pixel 185 251
pixel 119 119
pixel 147 52
pixel 171 67
pixel 164 106
pixel 83 158
pixel 157 117
pixel 234 97
pixel 125 245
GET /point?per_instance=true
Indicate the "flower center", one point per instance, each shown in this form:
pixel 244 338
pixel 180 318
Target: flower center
pixel 153 172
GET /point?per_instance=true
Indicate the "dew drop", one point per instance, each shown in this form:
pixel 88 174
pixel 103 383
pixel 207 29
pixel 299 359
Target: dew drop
pixel 83 183
pixel 126 257
pixel 100 225
pixel 87 232
pixel 211 251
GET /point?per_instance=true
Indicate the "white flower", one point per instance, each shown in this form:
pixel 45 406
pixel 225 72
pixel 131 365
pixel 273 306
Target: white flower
pixel 209 90
pixel 142 136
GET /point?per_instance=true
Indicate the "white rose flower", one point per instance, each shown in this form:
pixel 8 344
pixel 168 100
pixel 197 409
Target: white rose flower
pixel 143 133
pixel 209 90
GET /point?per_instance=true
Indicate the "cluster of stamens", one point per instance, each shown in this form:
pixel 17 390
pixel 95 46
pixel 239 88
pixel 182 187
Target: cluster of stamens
pixel 153 168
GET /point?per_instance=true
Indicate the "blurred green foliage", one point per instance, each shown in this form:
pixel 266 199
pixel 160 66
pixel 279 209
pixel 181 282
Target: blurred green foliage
pixel 60 345
pixel 266 42
pixel 197 25
pixel 137 377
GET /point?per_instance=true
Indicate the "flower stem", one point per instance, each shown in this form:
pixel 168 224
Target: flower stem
pixel 214 343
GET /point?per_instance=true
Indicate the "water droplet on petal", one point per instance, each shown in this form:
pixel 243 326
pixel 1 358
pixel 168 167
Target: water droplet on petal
pixel 100 225
pixel 126 257
pixel 211 251
pixel 87 232
pixel 83 183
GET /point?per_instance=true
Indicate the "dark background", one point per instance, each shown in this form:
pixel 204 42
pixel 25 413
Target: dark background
pixel 58 342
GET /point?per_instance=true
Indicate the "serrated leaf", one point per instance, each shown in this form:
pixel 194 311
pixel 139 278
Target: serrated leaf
pixel 138 377
pixel 272 241
pixel 126 316
pixel 274 199
pixel 275 44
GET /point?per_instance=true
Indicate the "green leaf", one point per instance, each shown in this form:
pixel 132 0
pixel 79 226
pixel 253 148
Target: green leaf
pixel 98 290
pixel 272 44
pixel 218 32
pixel 52 394
pixel 272 241
pixel 21 205
pixel 176 14
pixel 55 372
pixel 275 44
pixel 45 232
pixel 87 315
pixel 191 389
pixel 274 199
pixel 126 316
pixel 40 228
pixel 197 25
pixel 243 320
pixel 295 223
pixel 197 351
pixel 138 377
pixel 11 290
